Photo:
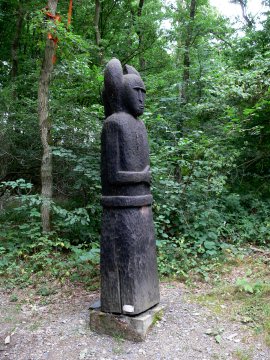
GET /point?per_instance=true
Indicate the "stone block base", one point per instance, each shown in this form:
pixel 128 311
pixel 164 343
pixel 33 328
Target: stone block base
pixel 133 328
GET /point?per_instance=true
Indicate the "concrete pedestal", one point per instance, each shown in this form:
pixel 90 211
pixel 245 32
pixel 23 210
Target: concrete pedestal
pixel 133 328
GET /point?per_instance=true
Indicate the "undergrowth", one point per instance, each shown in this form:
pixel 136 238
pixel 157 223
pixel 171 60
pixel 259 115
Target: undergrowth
pixel 28 258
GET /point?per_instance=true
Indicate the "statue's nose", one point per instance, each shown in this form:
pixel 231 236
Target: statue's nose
pixel 140 96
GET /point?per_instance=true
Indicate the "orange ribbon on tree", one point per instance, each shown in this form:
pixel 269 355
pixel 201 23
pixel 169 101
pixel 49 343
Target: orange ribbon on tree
pixel 56 17
pixel 51 16
pixel 69 13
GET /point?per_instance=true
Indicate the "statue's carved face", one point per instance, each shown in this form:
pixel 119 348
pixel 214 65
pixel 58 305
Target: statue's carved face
pixel 134 95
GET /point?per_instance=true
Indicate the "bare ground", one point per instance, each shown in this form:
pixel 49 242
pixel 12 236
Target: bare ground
pixel 56 327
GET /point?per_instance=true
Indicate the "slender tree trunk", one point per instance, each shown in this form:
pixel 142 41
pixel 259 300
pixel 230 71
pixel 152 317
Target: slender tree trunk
pixel 140 36
pixel 16 41
pixel 139 32
pixel 186 62
pixel 243 5
pixel 45 127
pixel 96 22
pixel 97 30
pixel 244 14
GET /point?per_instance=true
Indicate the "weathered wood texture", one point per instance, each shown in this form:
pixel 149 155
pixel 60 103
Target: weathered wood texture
pixel 129 277
pixel 128 260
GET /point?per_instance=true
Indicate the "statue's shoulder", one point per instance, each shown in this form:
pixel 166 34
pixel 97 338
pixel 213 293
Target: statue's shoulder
pixel 119 120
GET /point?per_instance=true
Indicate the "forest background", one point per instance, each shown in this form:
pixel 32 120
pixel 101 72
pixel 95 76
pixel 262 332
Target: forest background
pixel 207 116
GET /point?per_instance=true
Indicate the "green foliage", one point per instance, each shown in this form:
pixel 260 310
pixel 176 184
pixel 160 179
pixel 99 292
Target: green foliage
pixel 209 152
pixel 244 299
pixel 244 285
pixel 26 252
pixel 34 254
pixel 192 175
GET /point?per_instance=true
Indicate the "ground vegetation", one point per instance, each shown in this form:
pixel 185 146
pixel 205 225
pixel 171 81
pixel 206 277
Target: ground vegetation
pixel 207 116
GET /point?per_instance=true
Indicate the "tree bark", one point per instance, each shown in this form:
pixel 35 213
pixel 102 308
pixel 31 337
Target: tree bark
pixel 16 41
pixel 135 17
pixel 45 127
pixel 244 14
pixel 243 5
pixel 140 36
pixel 97 30
pixel 186 62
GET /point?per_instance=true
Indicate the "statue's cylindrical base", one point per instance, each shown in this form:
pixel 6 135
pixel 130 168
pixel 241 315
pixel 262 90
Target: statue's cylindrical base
pixel 129 276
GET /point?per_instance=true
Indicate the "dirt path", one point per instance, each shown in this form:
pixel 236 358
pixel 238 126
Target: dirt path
pixel 56 327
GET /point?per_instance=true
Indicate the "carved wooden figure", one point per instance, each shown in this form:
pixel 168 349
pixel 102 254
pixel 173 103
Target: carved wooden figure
pixel 129 277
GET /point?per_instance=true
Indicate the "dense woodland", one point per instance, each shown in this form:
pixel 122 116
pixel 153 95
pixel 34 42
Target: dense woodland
pixel 207 115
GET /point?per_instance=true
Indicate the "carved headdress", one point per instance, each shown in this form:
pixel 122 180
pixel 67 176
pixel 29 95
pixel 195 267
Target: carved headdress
pixel 116 82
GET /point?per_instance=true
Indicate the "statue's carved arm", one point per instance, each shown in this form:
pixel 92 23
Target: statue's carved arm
pixel 134 176
pixel 115 174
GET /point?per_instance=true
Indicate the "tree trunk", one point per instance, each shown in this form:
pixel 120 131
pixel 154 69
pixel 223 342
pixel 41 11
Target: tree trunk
pixel 97 30
pixel 45 127
pixel 243 5
pixel 140 36
pixel 15 43
pixel 244 14
pixel 186 62
pixel 135 16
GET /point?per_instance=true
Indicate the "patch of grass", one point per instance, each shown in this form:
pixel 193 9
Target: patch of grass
pixel 9 319
pixel 244 294
pixel 94 285
pixel 157 317
pixel 46 291
pixel 215 300
pixel 35 325
pixel 256 306
pixel 118 338
pixel 267 340
pixel 11 314
pixel 118 349
pixel 243 355
pixel 13 298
